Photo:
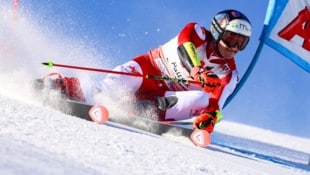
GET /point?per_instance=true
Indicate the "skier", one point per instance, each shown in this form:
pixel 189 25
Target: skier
pixel 194 54
pixel 197 54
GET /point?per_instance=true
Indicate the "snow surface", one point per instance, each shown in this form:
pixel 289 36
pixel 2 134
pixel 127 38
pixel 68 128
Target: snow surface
pixel 35 139
pixel 39 140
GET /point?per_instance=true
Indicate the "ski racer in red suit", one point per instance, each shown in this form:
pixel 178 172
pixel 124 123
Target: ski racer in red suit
pixel 194 54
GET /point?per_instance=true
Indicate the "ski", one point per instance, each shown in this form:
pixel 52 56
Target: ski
pixel 199 137
pixel 99 114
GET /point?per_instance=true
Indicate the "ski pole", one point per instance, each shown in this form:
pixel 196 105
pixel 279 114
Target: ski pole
pixel 178 80
pixel 51 64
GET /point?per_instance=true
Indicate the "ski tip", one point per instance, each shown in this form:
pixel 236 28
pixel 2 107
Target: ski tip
pixel 201 138
pixel 99 114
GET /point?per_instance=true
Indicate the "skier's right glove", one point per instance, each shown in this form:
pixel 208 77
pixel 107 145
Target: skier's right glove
pixel 205 121
pixel 209 80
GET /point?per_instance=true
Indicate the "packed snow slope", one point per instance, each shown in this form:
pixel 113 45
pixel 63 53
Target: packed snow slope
pixel 39 140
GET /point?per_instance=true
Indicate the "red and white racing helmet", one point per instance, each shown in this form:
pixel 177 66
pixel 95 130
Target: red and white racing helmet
pixel 229 23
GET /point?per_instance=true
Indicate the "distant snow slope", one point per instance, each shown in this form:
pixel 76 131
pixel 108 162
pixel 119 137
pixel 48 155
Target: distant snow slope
pixel 39 140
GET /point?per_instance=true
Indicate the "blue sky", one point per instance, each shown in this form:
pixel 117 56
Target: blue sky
pixel 276 95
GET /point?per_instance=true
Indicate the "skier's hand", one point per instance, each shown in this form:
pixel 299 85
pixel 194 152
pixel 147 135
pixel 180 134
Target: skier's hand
pixel 209 80
pixel 205 121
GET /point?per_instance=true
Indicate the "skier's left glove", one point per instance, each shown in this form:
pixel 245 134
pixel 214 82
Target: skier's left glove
pixel 207 120
pixel 209 80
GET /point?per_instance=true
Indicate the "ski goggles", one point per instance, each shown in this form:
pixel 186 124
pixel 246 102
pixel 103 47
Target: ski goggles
pixel 232 39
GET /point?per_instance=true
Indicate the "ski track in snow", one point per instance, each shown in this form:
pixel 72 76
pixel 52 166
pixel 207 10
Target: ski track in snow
pixel 39 140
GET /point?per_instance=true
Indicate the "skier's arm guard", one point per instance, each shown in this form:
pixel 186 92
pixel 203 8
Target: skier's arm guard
pixel 188 55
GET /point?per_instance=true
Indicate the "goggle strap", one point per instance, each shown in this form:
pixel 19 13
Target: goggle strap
pixel 217 27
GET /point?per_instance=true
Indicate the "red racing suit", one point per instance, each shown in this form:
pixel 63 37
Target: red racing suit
pixel 164 61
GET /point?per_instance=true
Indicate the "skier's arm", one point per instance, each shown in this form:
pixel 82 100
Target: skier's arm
pixel 191 37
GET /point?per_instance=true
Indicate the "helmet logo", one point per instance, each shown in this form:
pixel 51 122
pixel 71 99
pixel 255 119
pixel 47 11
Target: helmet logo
pixel 240 26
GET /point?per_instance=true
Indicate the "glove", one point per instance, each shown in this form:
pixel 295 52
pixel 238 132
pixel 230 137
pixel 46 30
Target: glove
pixel 209 80
pixel 205 121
